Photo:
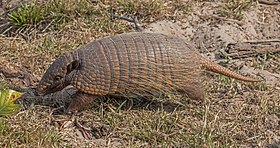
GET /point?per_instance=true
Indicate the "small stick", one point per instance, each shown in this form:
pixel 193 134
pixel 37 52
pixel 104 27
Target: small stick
pixel 84 130
pixel 228 19
pixel 135 21
pixel 262 41
pixel 268 2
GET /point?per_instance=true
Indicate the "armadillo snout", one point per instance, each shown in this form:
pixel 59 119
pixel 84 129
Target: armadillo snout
pixel 45 88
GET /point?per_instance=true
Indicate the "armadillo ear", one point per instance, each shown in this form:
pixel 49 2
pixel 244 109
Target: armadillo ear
pixel 73 66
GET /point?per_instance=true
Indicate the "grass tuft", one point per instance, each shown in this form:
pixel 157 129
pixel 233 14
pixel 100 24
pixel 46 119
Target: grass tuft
pixel 55 14
pixel 235 8
pixel 27 14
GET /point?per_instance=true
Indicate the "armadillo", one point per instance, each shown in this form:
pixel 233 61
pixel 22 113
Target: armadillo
pixel 130 63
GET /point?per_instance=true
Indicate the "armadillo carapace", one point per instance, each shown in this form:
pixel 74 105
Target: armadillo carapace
pixel 130 63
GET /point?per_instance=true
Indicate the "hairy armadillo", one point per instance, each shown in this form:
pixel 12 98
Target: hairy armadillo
pixel 127 63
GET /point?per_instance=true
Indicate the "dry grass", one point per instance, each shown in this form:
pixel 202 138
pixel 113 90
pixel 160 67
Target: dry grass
pixel 234 114
pixel 32 127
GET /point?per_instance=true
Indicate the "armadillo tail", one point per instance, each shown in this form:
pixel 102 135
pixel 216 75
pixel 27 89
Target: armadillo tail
pixel 224 71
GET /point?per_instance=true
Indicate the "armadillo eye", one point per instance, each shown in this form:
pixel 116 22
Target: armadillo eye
pixel 58 78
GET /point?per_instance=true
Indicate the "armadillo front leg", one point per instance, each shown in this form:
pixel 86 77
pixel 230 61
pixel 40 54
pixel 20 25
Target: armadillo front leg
pixel 80 100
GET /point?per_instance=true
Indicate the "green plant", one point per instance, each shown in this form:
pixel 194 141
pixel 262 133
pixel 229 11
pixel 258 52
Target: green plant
pixel 27 14
pixel 234 8
pixel 7 98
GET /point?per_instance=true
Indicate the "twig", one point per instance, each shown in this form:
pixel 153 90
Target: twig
pixel 84 130
pixel 262 41
pixel 252 48
pixel 268 2
pixel 48 26
pixel 135 21
pixel 228 19
pixel 9 74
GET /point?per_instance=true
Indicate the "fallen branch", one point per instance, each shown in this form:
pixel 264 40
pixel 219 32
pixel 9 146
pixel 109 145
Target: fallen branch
pixel 252 48
pixel 20 73
pixel 266 2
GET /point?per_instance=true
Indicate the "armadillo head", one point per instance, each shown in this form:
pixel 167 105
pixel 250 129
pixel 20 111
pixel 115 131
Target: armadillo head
pixel 57 75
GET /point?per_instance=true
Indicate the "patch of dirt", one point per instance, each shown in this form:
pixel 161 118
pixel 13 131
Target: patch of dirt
pixel 216 33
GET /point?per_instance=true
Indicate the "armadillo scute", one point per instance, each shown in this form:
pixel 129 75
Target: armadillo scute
pixel 127 63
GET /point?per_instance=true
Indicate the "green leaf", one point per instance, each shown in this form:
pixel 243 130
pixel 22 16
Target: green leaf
pixel 7 98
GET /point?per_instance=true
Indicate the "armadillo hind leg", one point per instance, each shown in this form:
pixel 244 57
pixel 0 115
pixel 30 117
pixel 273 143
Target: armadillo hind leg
pixel 194 92
pixel 80 100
